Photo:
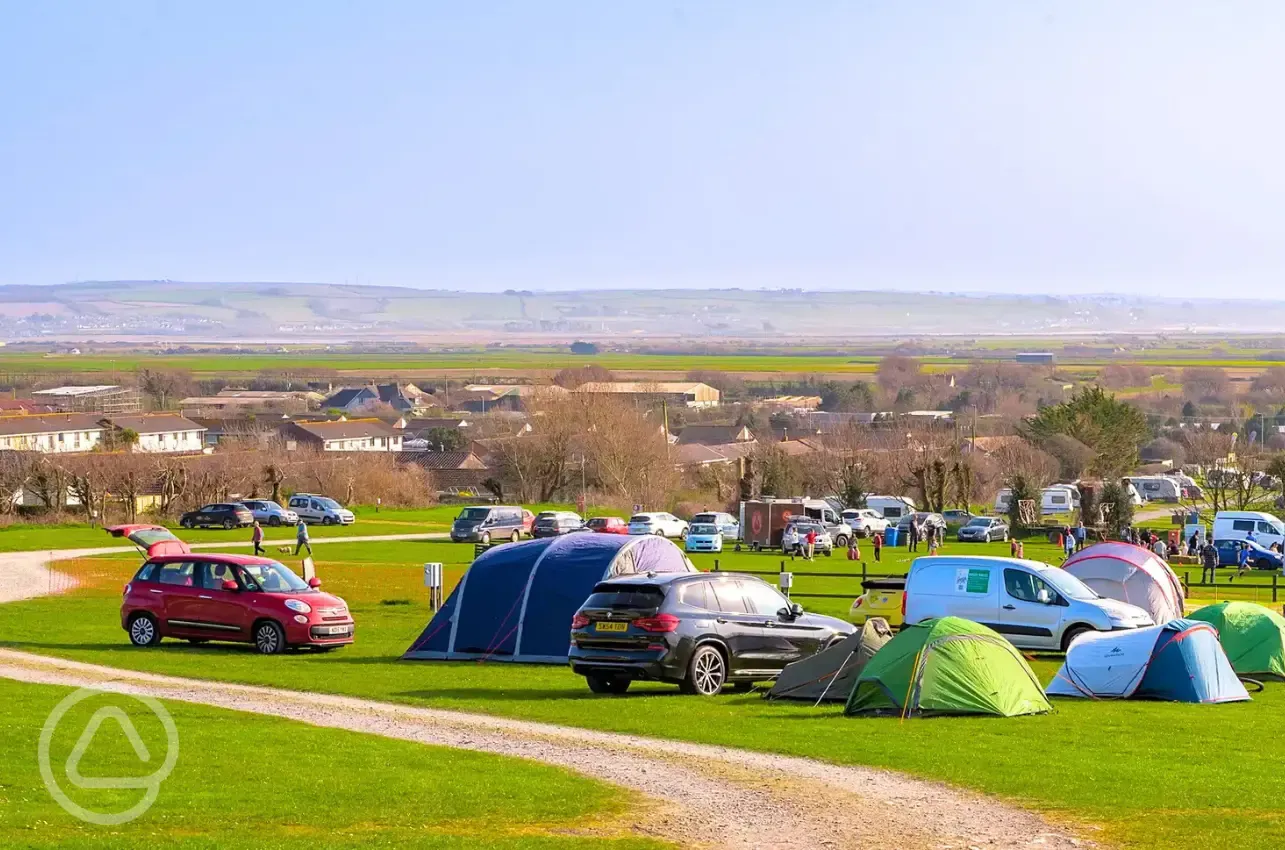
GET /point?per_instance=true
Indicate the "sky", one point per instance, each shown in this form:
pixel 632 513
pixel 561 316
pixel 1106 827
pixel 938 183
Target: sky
pixel 1020 146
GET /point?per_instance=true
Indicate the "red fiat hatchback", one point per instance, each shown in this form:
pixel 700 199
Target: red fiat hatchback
pixel 199 597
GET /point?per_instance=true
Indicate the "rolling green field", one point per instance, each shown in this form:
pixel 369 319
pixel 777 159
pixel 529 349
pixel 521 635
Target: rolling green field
pixel 1152 775
pixel 303 787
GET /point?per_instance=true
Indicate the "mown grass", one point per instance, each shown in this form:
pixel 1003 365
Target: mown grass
pixel 249 781
pixel 1152 775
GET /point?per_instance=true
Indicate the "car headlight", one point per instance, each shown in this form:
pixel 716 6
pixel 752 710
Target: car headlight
pixel 296 605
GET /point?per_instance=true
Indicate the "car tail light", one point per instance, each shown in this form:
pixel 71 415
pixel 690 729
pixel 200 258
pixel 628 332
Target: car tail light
pixel 128 588
pixel 860 599
pixel 658 623
pixel 903 605
pixel 579 621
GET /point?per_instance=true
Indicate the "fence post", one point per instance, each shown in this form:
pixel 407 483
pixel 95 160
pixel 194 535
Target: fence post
pixel 863 572
pixel 1186 581
pixel 716 565
pixel 782 566
pixel 1274 577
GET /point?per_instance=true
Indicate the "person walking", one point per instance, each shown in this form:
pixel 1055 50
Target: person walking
pixel 877 542
pixel 1081 535
pixel 256 537
pixel 790 541
pixel 1068 545
pixel 1209 563
pixel 812 542
pixel 301 538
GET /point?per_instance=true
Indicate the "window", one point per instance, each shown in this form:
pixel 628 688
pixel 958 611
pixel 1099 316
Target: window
pixel 178 573
pixel 1243 525
pixel 762 599
pixel 145 572
pixel 728 596
pixel 1265 528
pixel 1023 586
pixel 214 574
pixel 697 595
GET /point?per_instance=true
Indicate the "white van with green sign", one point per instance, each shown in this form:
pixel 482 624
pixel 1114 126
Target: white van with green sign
pixel 1034 605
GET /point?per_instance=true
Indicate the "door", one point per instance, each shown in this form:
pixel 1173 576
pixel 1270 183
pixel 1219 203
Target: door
pixel 786 639
pixel 973 593
pixel 219 612
pixel 743 632
pixel 1030 612
pixel 177 584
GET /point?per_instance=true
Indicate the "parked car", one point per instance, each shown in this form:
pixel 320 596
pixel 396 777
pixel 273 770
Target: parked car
pixel 607 525
pixel 880 597
pixel 924 518
pixel 1261 528
pixel 484 523
pixel 528 523
pixel 865 521
pixel 983 529
pixel 728 525
pixel 703 537
pixel 697 630
pixel 824 543
pixel 554 523
pixel 231 598
pixel 312 508
pixel 659 523
pixel 218 515
pixel 955 516
pixel 268 512
pixel 1034 605
pixel 1260 557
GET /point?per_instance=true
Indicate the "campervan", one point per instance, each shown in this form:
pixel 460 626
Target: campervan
pixel 891 507
pixel 1034 605
pixel 1239 525
pixel 1157 488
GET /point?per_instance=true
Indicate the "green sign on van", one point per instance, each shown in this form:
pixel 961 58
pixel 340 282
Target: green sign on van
pixel 973 580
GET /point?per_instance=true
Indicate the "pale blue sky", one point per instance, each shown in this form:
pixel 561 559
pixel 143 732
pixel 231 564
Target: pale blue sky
pixel 1021 146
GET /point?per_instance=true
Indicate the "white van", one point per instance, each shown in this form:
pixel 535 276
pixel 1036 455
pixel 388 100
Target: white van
pixel 1238 525
pixel 1032 604
pixel 891 507
pixel 1157 488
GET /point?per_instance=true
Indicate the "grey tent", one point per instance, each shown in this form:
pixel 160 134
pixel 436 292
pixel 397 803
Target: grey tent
pixel 832 674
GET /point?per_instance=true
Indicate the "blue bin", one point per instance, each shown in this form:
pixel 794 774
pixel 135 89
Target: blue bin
pixel 890 536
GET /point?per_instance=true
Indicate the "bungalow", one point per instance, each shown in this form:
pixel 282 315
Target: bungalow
pixel 55 433
pixel 352 435
pixel 159 433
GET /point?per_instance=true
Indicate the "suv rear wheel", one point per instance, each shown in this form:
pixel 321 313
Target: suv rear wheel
pixel 706 672
pixel 274 521
pixel 603 684
pixel 229 524
pixel 143 630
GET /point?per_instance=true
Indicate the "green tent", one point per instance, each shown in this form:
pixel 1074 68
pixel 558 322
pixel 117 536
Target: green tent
pixel 947 666
pixel 1252 636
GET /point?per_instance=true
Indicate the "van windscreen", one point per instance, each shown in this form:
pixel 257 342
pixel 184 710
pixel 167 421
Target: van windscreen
pixel 474 513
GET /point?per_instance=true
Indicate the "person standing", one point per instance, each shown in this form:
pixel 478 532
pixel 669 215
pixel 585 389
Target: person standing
pixel 1209 563
pixel 256 537
pixel 812 542
pixel 1081 535
pixel 912 536
pixel 1161 549
pixel 301 540
pixel 1068 545
pixel 790 541
pixel 877 542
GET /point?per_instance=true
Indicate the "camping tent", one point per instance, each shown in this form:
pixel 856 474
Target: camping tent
pixel 1130 574
pixel 947 666
pixel 831 674
pixel 1252 636
pixel 516 601
pixel 1181 661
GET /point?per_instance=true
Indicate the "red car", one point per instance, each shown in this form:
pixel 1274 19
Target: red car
pixel 608 525
pixel 528 523
pixel 200 597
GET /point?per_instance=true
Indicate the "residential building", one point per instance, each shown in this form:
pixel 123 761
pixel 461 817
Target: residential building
pixel 55 433
pixel 235 400
pixel 161 433
pixel 351 399
pixel 715 435
pixel 17 406
pixel 408 399
pixel 344 435
pixel 685 393
pixel 106 399
pixel 453 472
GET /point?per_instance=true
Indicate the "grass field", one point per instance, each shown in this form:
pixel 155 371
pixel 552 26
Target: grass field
pixel 303 785
pixel 1153 775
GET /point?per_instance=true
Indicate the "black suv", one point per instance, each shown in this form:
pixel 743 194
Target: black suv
pixel 697 630
pixel 222 515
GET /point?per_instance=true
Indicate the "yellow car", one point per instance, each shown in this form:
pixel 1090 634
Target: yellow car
pixel 883 597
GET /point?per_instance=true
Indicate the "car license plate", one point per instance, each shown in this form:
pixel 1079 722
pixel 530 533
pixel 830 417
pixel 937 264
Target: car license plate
pixel 611 627
pixel 334 630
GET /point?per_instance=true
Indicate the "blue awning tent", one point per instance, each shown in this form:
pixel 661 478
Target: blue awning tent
pixel 1181 661
pixel 516 601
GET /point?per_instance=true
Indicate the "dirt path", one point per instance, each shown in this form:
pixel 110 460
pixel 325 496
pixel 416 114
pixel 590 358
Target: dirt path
pixel 24 575
pixel 709 796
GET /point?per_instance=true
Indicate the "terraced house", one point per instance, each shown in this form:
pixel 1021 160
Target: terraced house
pixel 55 433
pixel 166 433
pixel 351 435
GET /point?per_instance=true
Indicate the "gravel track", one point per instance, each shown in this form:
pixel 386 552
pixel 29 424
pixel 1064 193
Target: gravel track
pixel 709 796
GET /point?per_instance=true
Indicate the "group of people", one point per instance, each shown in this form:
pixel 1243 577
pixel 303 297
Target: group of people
pixel 1074 538
pixel 301 539
pixel 801 544
pixel 876 543
pixel 917 532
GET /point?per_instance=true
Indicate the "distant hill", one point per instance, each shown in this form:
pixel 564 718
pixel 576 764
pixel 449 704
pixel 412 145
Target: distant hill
pixel 270 310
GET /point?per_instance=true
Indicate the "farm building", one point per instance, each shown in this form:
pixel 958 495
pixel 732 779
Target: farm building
pixel 94 399
pixel 1035 358
pixel 689 394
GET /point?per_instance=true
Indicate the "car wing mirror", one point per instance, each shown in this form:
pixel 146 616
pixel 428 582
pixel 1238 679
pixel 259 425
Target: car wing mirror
pixel 230 585
pixel 314 582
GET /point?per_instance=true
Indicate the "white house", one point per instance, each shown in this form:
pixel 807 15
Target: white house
pixel 53 433
pixel 161 433
pixel 352 435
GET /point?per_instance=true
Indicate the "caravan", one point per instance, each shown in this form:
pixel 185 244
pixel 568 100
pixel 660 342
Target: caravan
pixel 1054 499
pixel 1157 488
pixel 891 507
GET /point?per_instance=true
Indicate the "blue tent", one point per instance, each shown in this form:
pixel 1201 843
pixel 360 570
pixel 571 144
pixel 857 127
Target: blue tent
pixel 516 601
pixel 1181 661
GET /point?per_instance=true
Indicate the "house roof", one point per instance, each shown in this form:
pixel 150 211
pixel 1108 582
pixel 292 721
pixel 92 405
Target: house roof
pixel 25 405
pixel 425 423
pixel 455 479
pixel 345 429
pixel 695 454
pixel 47 423
pixel 442 460
pixel 350 395
pixel 642 387
pixel 712 435
pixel 154 423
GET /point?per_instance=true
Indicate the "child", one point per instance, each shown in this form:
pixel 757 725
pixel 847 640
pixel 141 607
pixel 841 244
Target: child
pixel 854 551
pixel 932 543
pixel 877 542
